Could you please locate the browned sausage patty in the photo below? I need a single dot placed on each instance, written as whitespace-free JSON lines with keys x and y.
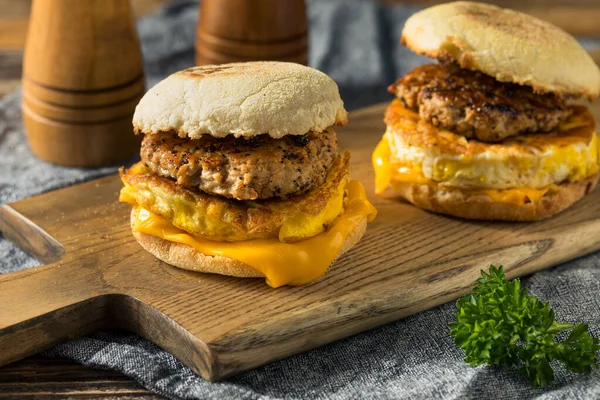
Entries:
{"x":244,"y":169}
{"x":476,"y":105}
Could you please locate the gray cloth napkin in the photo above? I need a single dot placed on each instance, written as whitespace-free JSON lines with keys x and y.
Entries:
{"x":356,"y":42}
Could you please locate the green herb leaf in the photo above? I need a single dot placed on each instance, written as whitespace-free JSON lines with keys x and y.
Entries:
{"x":500,"y":324}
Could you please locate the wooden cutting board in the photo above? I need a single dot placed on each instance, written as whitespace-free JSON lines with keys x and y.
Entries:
{"x":98,"y":277}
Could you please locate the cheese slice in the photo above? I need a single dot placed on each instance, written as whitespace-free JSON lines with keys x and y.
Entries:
{"x":381,"y":164}
{"x":520,"y":196}
{"x":281,"y":263}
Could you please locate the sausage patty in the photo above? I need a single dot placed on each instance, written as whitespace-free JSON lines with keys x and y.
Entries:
{"x":476,"y":105}
{"x":244,"y":169}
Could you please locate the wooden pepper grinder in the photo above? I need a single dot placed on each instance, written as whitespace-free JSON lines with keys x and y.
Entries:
{"x":250,"y":30}
{"x":82,"y":78}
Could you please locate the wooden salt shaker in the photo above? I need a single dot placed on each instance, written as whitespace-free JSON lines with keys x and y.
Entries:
{"x":250,"y":30}
{"x":82,"y":78}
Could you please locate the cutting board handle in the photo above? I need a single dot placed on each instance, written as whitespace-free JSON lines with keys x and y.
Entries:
{"x":42,"y":306}
{"x":71,"y":297}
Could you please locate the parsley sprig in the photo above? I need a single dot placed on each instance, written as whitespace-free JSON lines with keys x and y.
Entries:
{"x":499,"y":323}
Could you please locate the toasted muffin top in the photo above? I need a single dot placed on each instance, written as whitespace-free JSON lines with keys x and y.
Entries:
{"x":243,"y":100}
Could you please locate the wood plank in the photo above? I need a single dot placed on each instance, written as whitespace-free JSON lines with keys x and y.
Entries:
{"x":37,"y":376}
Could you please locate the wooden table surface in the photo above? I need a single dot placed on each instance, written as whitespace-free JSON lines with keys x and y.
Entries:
{"x":38,"y":376}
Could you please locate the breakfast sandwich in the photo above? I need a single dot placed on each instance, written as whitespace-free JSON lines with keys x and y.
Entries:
{"x":490,"y":131}
{"x":240,"y":173}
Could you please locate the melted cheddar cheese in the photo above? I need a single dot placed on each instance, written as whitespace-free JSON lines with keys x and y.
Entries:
{"x":520,"y":196}
{"x":281,"y":263}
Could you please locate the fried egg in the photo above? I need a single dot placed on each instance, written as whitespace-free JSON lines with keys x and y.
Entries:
{"x":420,"y":152}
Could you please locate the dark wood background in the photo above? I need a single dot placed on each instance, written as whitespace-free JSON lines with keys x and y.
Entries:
{"x":38,"y":376}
